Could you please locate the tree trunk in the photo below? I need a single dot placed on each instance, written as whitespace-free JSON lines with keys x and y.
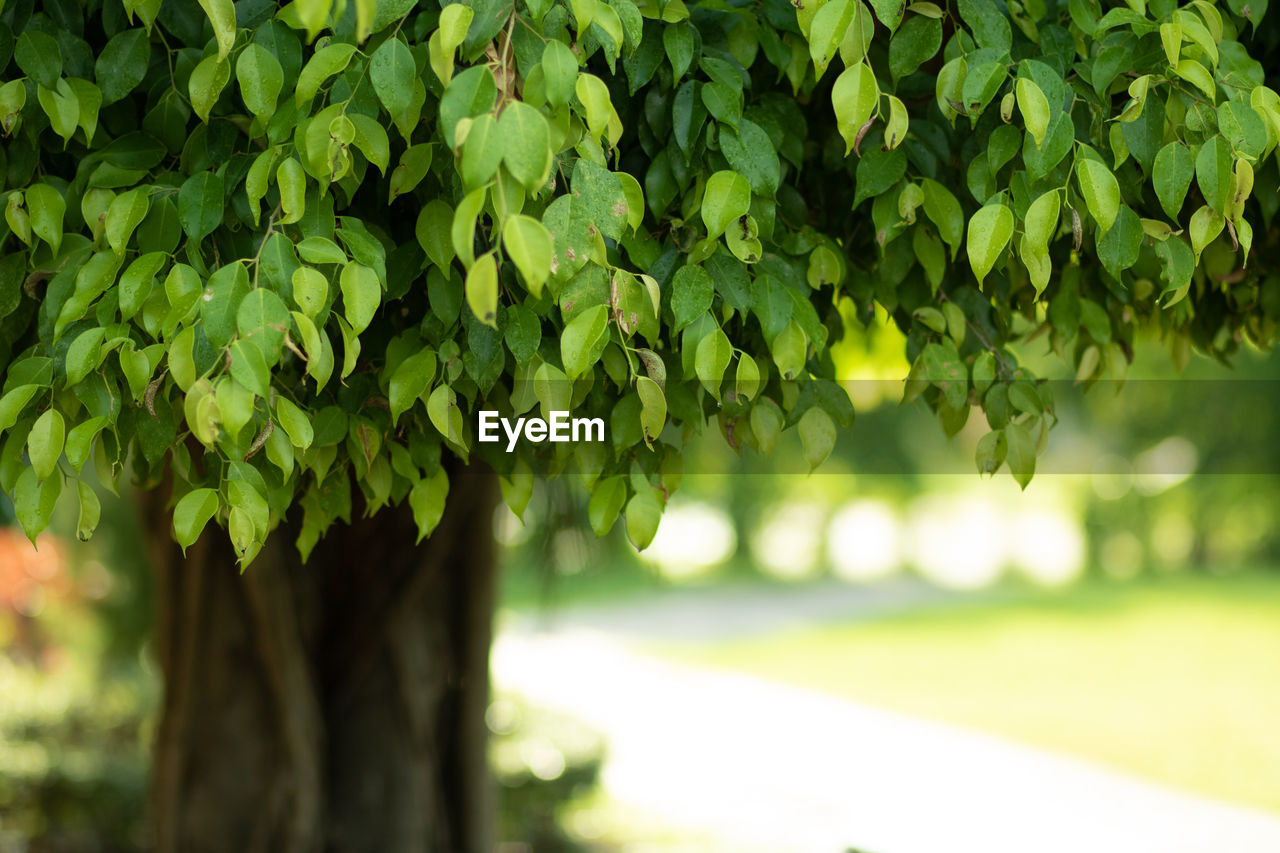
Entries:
{"x":333,"y":706}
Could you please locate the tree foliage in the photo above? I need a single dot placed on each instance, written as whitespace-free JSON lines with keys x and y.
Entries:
{"x":280,"y":253}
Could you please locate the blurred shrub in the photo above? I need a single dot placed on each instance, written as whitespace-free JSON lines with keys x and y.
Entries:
{"x":72,"y":760}
{"x":544,"y":763}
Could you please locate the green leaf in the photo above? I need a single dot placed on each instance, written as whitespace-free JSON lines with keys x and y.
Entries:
{"x":427,"y":499}
{"x":1213,"y":173}
{"x":361,"y":295}
{"x":44,"y":442}
{"x":1206,"y":225}
{"x":766,"y":424}
{"x":39,"y":57}
{"x":889,"y":12}
{"x":653,"y":408}
{"x":310,"y":290}
{"x":1021,"y":453}
{"x":371,"y":139}
{"x":692,"y":292}
{"x":83,"y":356}
{"x":594,"y":95}
{"x":410,"y":381}
{"x":222,"y":14}
{"x":981,"y":85}
{"x":750,"y":153}
{"x":1171,"y":176}
{"x":433,"y":228}
{"x":207,"y":81}
{"x":181,"y":363}
{"x":1034,"y":107}
{"x":12,"y":404}
{"x":261,"y":79}
{"x":321,"y":250}
{"x":746,"y":382}
{"x":643,"y":515}
{"x":34,"y":501}
{"x":324,"y":63}
{"x":527,"y":144}
{"x":414,"y":164}
{"x":455,"y":20}
{"x":137,"y":282}
{"x":249,"y":368}
{"x":90,"y":511}
{"x":1243,"y":128}
{"x":220,"y":303}
{"x":560,"y":71}
{"x":726,"y":198}
{"x":712,"y":360}
{"x":463,"y":229}
{"x":201,"y":203}
{"x":830,"y":23}
{"x":482,"y":290}
{"x":523,"y":333}
{"x":46,"y":209}
{"x":122,"y":64}
{"x":529,"y":245}
{"x":470,"y":93}
{"x":124,"y":215}
{"x":854,"y":97}
{"x":61,"y":107}
{"x":442,"y":409}
{"x":191,"y":514}
{"x":915,"y":43}
{"x":1101,"y":191}
{"x":988,"y":24}
{"x":235,"y":405}
{"x":677,"y":42}
{"x":817,"y":436}
{"x":1118,"y":248}
{"x":942,"y":208}
{"x":392,"y":72}
{"x":582,"y":340}
{"x":482,"y":151}
{"x":598,"y":199}
{"x":292,"y":181}
{"x":1178,"y":263}
{"x":295,"y":422}
{"x":789,"y":349}
{"x":1041,"y":222}
{"x":989,"y":233}
{"x":263,"y":319}
{"x":606,"y":502}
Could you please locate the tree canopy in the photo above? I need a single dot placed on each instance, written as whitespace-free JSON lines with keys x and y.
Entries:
{"x":273,"y":255}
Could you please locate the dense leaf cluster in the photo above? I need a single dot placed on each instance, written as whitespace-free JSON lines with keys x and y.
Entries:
{"x":281,"y":253}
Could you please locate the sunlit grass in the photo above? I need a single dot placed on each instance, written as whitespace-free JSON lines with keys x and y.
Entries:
{"x":1177,"y":680}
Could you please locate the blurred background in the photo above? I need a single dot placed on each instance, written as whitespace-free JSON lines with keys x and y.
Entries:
{"x":805,"y":662}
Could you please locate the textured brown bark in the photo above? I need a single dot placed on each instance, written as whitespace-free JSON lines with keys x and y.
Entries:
{"x":333,"y":706}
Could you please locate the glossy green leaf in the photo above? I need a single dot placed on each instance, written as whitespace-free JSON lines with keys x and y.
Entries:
{"x":529,"y":246}
{"x":261,"y":78}
{"x":190,"y":515}
{"x":989,"y":232}
{"x":482,"y":290}
{"x":726,"y":198}
{"x":1101,"y":191}
{"x":582,"y":339}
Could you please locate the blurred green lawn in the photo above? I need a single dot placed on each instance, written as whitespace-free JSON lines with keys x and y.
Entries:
{"x":1175,"y":679}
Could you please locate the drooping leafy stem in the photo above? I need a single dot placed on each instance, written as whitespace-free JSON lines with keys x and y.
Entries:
{"x":619,"y":208}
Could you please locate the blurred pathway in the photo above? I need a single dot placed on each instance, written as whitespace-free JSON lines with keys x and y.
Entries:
{"x":747,"y":765}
